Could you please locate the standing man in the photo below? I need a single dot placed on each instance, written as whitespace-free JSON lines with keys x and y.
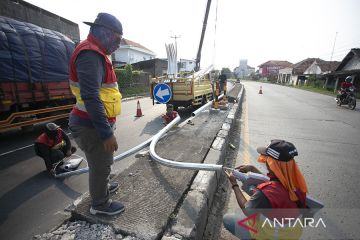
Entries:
{"x":98,"y":102}
{"x":222,"y":81}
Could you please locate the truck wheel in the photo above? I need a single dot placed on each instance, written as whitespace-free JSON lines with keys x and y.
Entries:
{"x":204,"y":100}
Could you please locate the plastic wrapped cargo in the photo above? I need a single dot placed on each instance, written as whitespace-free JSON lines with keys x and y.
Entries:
{"x":29,"y":53}
{"x":34,"y":85}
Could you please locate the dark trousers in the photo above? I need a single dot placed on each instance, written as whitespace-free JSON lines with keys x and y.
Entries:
{"x":50,"y":156}
{"x":230,"y":222}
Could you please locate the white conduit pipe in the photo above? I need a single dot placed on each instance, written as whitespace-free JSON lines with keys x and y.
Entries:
{"x":116,"y":158}
{"x":154,"y":140}
{"x":175,"y":164}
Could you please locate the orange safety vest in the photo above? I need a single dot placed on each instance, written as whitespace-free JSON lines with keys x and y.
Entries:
{"x":282,"y":208}
{"x":109,"y":91}
{"x":44,"y":139}
{"x":279,"y":198}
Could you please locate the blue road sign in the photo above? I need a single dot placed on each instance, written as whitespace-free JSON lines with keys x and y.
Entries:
{"x":162,"y":93}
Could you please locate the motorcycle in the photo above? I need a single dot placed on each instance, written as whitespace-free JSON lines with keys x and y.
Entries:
{"x":348,"y":99}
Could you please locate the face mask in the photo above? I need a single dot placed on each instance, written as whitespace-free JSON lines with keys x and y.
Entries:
{"x":107,"y":38}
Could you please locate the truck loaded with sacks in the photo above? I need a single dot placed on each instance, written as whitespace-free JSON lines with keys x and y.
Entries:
{"x":34,"y":85}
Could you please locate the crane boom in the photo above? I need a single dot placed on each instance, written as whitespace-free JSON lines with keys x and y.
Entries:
{"x":198,"y":56}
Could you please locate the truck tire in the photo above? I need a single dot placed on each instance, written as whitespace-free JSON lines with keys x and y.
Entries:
{"x":204,"y":100}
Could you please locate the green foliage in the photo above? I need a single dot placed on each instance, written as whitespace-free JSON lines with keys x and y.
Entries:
{"x":124,"y":76}
{"x":137,"y":72}
{"x":317,"y":89}
{"x":138,"y":90}
{"x":227,"y":72}
{"x":315,"y":82}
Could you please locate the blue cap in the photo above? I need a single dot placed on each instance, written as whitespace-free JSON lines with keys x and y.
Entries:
{"x":108,"y":21}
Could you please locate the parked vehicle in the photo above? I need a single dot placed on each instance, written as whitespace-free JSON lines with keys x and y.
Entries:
{"x":191,"y":91}
{"x":34,"y":83}
{"x":349,"y":99}
{"x":195,"y":89}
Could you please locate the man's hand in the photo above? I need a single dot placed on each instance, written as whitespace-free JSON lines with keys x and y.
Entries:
{"x":110,"y":144}
{"x":247,"y":168}
{"x":68,"y":153}
{"x":231,"y":177}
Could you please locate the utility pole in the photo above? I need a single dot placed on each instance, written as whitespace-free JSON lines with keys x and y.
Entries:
{"x":332,"y":53}
{"x":333,"y":47}
{"x":176,"y":37}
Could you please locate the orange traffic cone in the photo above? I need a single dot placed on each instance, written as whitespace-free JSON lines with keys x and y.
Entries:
{"x":260,"y":91}
{"x":138,"y":110}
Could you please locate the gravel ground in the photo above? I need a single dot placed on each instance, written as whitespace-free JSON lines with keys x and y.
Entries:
{"x":81,"y":230}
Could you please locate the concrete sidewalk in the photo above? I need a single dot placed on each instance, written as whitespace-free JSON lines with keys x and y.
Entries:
{"x":165,"y":201}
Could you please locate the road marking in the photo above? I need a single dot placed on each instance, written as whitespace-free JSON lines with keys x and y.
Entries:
{"x":17,"y":149}
{"x":21,"y":148}
{"x":244,"y":147}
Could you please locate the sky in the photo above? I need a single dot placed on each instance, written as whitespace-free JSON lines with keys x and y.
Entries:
{"x":256,"y":30}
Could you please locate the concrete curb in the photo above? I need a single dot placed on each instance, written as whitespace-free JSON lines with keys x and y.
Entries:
{"x":200,"y":196}
{"x":133,"y":98}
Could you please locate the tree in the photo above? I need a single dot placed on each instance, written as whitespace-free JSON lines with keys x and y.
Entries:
{"x":227,"y":72}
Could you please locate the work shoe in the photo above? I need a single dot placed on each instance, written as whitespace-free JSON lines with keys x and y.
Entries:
{"x":110,"y":208}
{"x":113,"y":187}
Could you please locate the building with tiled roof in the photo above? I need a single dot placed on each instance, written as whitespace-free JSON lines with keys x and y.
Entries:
{"x":298,"y":73}
{"x":349,"y":66}
{"x":320,"y":66}
{"x":270,"y":69}
{"x":131,"y":52}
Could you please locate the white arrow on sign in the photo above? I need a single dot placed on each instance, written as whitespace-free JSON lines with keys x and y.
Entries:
{"x":161,"y":93}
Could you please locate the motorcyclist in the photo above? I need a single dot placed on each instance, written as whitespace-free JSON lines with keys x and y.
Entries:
{"x":345,"y":87}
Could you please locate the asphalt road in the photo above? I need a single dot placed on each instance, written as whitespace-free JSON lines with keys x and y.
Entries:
{"x":31,"y":201}
{"x":327,"y":138}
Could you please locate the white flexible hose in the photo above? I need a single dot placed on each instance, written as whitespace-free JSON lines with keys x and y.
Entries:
{"x":175,"y":164}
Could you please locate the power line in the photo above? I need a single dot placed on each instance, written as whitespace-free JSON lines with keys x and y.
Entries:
{"x":344,"y":47}
{"x":214,"y":49}
{"x":333,"y":47}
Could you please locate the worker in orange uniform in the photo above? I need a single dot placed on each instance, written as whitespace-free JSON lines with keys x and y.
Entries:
{"x":170,"y":114}
{"x":282,"y":197}
{"x":53,"y":146}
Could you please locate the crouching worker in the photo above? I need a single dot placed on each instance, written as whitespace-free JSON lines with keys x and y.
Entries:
{"x":170,"y":114}
{"x":273,"y":202}
{"x":53,"y":146}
